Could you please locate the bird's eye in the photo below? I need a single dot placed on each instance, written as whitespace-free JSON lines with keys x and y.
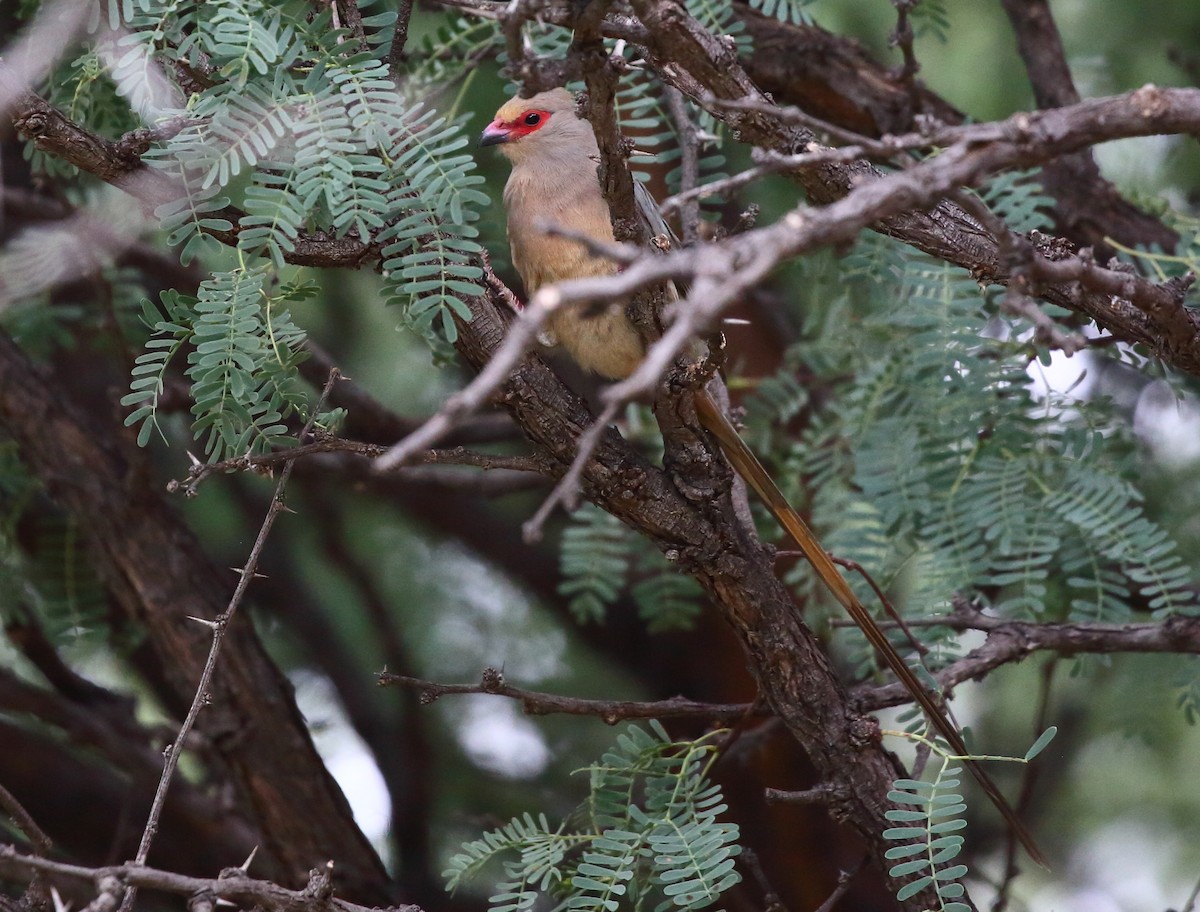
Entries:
{"x":533,"y":119}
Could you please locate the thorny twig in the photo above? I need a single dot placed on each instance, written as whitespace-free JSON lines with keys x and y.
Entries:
{"x":232,"y":886}
{"x":42,"y":844}
{"x":541,"y":704}
{"x":328,"y":443}
{"x":218,"y":626}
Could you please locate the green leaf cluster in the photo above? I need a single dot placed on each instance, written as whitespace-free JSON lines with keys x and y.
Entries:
{"x":647,"y":833}
{"x":930,"y":817}
{"x":792,"y":11}
{"x":272,"y":123}
{"x":600,"y":558}
{"x":244,"y":350}
{"x":939,"y":468}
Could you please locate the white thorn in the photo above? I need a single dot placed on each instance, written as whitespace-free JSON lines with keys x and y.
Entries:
{"x":245,"y":865}
{"x":240,"y":570}
{"x":59,"y":904}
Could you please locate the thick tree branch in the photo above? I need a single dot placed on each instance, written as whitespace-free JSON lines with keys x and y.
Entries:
{"x":703,"y":536}
{"x":155,"y":568}
{"x":1089,"y":208}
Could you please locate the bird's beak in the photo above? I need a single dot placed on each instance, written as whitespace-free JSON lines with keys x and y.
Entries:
{"x":494,"y":134}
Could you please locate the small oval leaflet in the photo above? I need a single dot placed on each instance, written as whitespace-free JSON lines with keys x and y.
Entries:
{"x":1040,"y":744}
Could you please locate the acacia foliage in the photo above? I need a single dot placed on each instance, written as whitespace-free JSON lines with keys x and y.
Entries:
{"x":935,"y":463}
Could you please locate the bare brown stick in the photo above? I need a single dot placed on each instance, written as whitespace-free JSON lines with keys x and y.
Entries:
{"x":845,"y":878}
{"x":902,"y":37}
{"x":42,"y":844}
{"x":566,"y":491}
{"x":821,"y":794}
{"x":218,"y":626}
{"x":326,"y":443}
{"x":543,"y":704}
{"x":396,"y":54}
{"x":770,"y":898}
{"x":1029,"y":772}
{"x":1010,"y":641}
{"x":238,"y":890}
{"x":689,"y":147}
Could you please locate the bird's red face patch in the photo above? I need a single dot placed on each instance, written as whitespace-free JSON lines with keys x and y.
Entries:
{"x":502,"y":131}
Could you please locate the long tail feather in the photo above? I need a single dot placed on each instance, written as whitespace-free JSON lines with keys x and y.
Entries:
{"x":747,"y":465}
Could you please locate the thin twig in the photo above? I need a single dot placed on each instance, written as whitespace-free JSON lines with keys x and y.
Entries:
{"x":689,"y":163}
{"x":238,"y":890}
{"x":218,"y":626}
{"x":566,"y":491}
{"x":1010,"y":641}
{"x":42,"y":844}
{"x":902,"y":37}
{"x":845,"y":878}
{"x":396,"y":55}
{"x":1028,"y":782}
{"x":818,"y":794}
{"x":328,"y":443}
{"x":888,"y":607}
{"x":541,"y":704}
{"x":771,"y":900}
{"x":1190,"y":905}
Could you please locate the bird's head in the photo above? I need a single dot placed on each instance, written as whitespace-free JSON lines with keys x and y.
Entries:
{"x":545,"y":124}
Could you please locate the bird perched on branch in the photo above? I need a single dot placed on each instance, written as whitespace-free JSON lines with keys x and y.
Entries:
{"x":554,"y":181}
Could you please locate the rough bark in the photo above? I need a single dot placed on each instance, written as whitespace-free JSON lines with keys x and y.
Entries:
{"x":154,"y":567}
{"x":700,"y":532}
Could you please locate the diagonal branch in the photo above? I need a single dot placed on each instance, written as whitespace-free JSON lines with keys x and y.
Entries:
{"x":702,"y":534}
{"x":219,"y":627}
